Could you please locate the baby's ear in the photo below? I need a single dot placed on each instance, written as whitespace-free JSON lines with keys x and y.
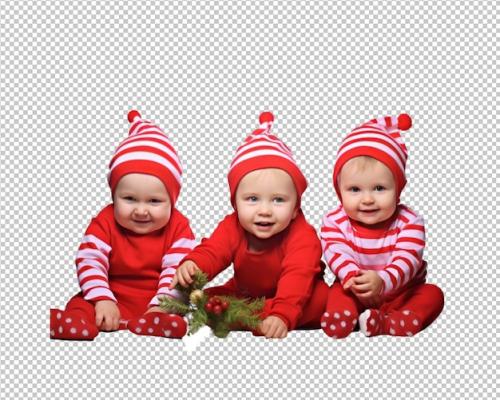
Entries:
{"x":295,"y":212}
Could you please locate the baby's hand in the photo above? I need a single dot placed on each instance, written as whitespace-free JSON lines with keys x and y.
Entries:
{"x":155,"y":309}
{"x":273,"y":328}
{"x":184,"y":274}
{"x":368,"y":287}
{"x":107,"y":315}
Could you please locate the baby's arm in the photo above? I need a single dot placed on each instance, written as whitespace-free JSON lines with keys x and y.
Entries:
{"x":212,"y":255}
{"x":406,"y":261}
{"x":183,"y":243}
{"x":338,"y":250}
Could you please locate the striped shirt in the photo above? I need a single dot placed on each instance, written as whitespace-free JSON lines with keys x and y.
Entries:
{"x":395,"y":251}
{"x":114,"y":263}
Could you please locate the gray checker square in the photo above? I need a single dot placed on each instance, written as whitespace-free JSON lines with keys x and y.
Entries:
{"x":204,"y":70}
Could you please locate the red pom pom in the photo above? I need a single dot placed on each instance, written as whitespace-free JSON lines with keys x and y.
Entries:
{"x":132,"y":115}
{"x":404,"y":122}
{"x":266,"y":116}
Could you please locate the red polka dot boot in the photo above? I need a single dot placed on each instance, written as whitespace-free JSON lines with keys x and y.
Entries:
{"x":338,"y":324}
{"x":158,"y":324}
{"x":397,"y":323}
{"x":70,"y":325}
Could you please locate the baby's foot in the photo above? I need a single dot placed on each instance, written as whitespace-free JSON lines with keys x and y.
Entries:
{"x":338,"y":324}
{"x":158,"y":324}
{"x":397,"y":323}
{"x":70,"y":325}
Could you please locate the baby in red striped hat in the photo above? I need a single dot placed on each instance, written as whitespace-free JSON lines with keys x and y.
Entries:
{"x":275,"y":252}
{"x":132,"y":248}
{"x":373,"y":244}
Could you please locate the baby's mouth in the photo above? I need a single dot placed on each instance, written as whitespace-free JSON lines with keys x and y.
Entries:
{"x":264,"y":224}
{"x":369,"y":211}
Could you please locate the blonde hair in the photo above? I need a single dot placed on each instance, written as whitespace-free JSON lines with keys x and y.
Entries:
{"x":360,"y":164}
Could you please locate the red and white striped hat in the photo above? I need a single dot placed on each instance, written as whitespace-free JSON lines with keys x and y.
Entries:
{"x":147,"y":150}
{"x":381,"y":139}
{"x":262,"y":150}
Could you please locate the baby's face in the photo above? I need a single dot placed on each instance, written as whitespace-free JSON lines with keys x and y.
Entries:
{"x":141,"y":203}
{"x":266,"y":202}
{"x":369,"y":193}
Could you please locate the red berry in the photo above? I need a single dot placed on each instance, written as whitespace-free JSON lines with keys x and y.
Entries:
{"x":217,"y":301}
{"x":225,"y":305}
{"x":217,"y":309}
{"x":209,"y":307}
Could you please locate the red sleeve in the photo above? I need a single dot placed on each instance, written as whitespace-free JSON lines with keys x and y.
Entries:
{"x":301,"y":266}
{"x":216,"y":253}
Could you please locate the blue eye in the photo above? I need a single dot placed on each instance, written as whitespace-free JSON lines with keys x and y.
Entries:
{"x":279,"y":200}
{"x":252,"y":198}
{"x":354,"y":189}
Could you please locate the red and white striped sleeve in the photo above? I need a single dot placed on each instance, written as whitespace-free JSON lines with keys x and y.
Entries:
{"x":337,"y":248}
{"x":183,"y":243}
{"x":406,"y":261}
{"x":92,"y":262}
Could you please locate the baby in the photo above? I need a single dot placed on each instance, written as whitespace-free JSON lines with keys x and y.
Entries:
{"x":131,"y":250}
{"x":373,"y":244}
{"x":275,"y":252}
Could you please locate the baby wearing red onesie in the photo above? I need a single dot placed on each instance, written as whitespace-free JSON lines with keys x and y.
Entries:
{"x":275,"y":252}
{"x":131,"y":250}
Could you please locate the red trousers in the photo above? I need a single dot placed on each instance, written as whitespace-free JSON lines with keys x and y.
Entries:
{"x":313,"y":310}
{"x":425,"y":300}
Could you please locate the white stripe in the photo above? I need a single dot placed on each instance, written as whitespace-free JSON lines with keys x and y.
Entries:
{"x":387,"y":280}
{"x":145,"y":123}
{"x":172,"y":259}
{"x":91,"y":272}
{"x":166,"y":279}
{"x":345,"y":270}
{"x":184,"y":242}
{"x":99,"y":292}
{"x":406,"y":270}
{"x":374,"y":145}
{"x":93,"y":254}
{"x":262,"y":143}
{"x":370,"y":135}
{"x":94,"y":283}
{"x":92,"y":263}
{"x":394,"y":272}
{"x":103,"y":246}
{"x":148,"y":143}
{"x":145,"y":156}
{"x":169,"y":270}
{"x":259,"y":154}
{"x":145,"y":136}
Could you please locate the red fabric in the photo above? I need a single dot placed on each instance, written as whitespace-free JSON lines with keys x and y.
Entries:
{"x":424,"y":300}
{"x":284,"y":273}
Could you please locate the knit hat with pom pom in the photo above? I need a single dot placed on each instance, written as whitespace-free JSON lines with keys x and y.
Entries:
{"x":380,"y":139}
{"x":262,"y":150}
{"x":147,"y":150}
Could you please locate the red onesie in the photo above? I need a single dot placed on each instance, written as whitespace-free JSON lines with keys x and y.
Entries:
{"x":288,"y":273}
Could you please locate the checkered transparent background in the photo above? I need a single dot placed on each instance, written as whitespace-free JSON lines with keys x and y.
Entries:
{"x":203,"y":70}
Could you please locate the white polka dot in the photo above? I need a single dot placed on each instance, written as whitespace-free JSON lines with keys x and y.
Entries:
{"x":336,"y":315}
{"x":334,"y":337}
{"x":85,"y":332}
{"x":156,"y":321}
{"x":138,"y":330}
{"x":406,"y":312}
{"x":73,"y":330}
{"x":60,"y":329}
{"x":409,"y":334}
{"x":68,"y":320}
{"x":150,"y":330}
{"x":393,"y":322}
{"x":326,"y":314}
{"x":415,"y":322}
{"x":142,"y":321}
{"x":332,"y":327}
{"x":52,"y":333}
{"x":402,"y":323}
{"x":83,"y":322}
{"x":175,"y":324}
{"x":372,"y":322}
{"x":59,"y":316}
{"x":354,"y":321}
{"x":167,"y":333}
{"x":323,"y":324}
{"x":392,"y":331}
{"x":343,"y":324}
{"x":347,"y":313}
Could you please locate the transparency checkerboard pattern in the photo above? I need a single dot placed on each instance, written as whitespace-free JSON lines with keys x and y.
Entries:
{"x":70,"y":71}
